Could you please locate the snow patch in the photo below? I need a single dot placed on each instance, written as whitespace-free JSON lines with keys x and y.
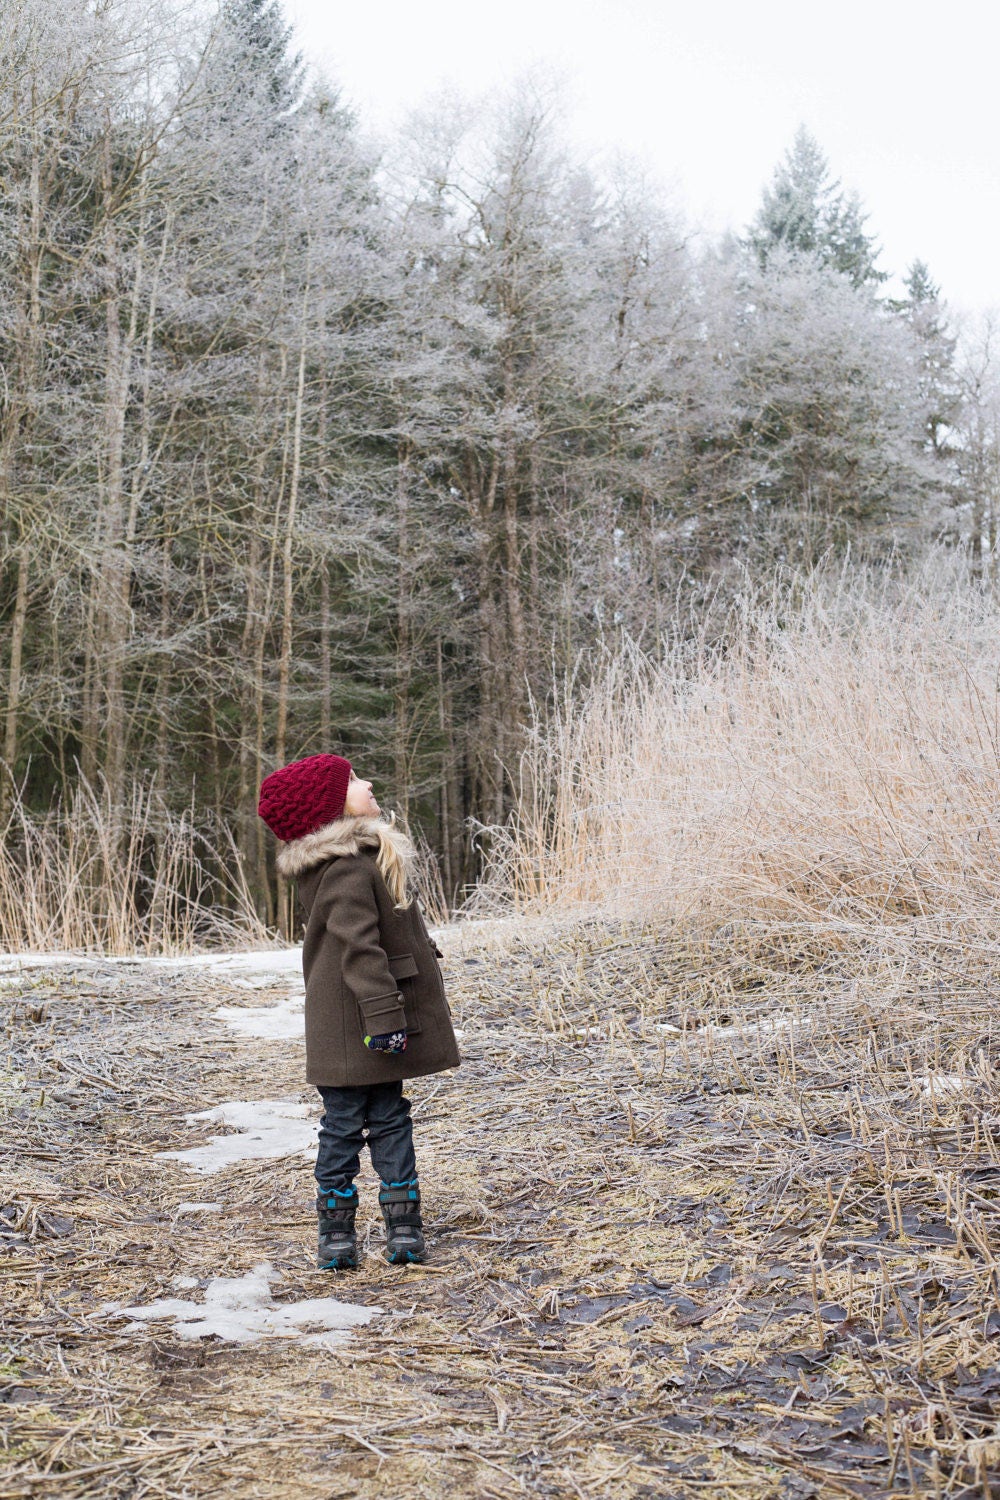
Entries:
{"x":941,"y":1083}
{"x":254,"y":971}
{"x":251,"y":969}
{"x":198,"y":1208}
{"x":763,"y":1025}
{"x":241,"y":1310}
{"x":263,"y":964}
{"x":258,"y":967}
{"x":279,"y":1022}
{"x":264,"y":1128}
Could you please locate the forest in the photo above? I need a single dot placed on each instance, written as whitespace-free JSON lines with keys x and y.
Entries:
{"x":310,"y":446}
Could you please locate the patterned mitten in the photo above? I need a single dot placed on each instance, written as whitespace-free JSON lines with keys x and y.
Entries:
{"x":390,"y":1041}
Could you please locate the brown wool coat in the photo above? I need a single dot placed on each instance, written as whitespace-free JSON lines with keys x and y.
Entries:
{"x":369,"y":969}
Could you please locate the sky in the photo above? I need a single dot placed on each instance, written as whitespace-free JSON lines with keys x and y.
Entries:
{"x":707,"y":95}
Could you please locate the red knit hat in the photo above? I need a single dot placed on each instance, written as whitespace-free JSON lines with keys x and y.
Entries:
{"x":300,"y":798}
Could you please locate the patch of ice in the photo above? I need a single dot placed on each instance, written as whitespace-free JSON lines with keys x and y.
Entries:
{"x":253,"y":971}
{"x":280,"y":1022}
{"x":257,"y":966}
{"x":251,"y":968}
{"x":941,"y":1083}
{"x":763,"y":1025}
{"x":265,"y":1128}
{"x":198,"y":1208}
{"x":666,"y":1026}
{"x":266,"y":965}
{"x":241,"y":1310}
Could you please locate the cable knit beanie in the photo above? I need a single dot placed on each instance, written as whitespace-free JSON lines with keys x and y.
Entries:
{"x":302,"y":797}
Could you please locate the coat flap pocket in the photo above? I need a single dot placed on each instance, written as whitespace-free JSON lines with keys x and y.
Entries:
{"x":403,"y":966}
{"x":382,"y":1014}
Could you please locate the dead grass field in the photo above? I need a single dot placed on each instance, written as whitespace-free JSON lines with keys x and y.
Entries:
{"x":833,"y":758}
{"x":748,"y":1255}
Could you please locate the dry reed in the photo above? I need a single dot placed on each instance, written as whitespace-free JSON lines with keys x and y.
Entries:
{"x":93,"y":877}
{"x":833,"y":759}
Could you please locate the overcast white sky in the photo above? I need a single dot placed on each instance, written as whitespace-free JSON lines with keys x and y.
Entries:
{"x":708,"y":94}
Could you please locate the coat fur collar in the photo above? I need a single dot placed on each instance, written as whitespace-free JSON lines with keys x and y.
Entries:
{"x":342,"y":836}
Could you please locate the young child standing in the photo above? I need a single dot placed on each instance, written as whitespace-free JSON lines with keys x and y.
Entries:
{"x":376,"y":1011}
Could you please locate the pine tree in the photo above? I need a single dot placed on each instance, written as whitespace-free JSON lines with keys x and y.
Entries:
{"x":256,"y":66}
{"x":923,"y":310}
{"x":805,"y":212}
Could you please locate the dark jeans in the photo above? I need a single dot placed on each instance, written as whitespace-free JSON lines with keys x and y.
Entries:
{"x":382,"y":1111}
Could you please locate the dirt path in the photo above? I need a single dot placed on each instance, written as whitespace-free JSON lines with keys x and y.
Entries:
{"x":701,"y":1223}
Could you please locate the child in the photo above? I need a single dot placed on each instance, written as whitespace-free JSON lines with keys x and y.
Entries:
{"x":376,"y":1011}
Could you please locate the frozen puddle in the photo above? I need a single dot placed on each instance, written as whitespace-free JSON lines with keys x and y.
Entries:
{"x":241,"y":1310}
{"x":264,"y":1128}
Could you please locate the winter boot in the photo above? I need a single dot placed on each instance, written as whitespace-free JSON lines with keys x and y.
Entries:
{"x":338,"y":1245}
{"x":400,"y":1205}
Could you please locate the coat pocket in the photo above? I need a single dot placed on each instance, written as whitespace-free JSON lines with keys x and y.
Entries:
{"x":403,"y":966}
{"x":382,"y":1015}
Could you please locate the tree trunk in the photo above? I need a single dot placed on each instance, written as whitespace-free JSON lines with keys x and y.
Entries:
{"x":163,"y":674}
{"x":444,"y":811}
{"x":488,"y":790}
{"x":287,"y":551}
{"x":264,"y":887}
{"x":113,"y":565}
{"x":22,"y":406}
{"x":325,"y":660}
{"x":325,"y":656}
{"x":515,"y":652}
{"x":14,"y":683}
{"x":403,"y":664}
{"x":251,"y":688}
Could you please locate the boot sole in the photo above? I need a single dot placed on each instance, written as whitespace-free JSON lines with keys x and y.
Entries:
{"x":339,"y":1263}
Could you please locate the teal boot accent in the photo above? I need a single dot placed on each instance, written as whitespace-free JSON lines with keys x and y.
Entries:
{"x":400,"y":1205}
{"x":338,"y":1244}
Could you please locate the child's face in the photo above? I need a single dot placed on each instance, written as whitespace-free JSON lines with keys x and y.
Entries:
{"x":360,"y":799}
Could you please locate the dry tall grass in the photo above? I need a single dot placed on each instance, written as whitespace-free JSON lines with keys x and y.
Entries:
{"x":142,"y":878}
{"x":833,"y":760}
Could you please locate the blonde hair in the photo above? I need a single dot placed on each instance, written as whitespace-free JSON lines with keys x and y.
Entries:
{"x":395,"y":860}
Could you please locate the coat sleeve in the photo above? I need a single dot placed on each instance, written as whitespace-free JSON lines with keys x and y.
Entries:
{"x":352,"y":918}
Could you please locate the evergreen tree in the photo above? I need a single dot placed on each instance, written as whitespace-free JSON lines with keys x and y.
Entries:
{"x":924,"y":312}
{"x":255,"y":65}
{"x":805,"y":212}
{"x":827,"y":385}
